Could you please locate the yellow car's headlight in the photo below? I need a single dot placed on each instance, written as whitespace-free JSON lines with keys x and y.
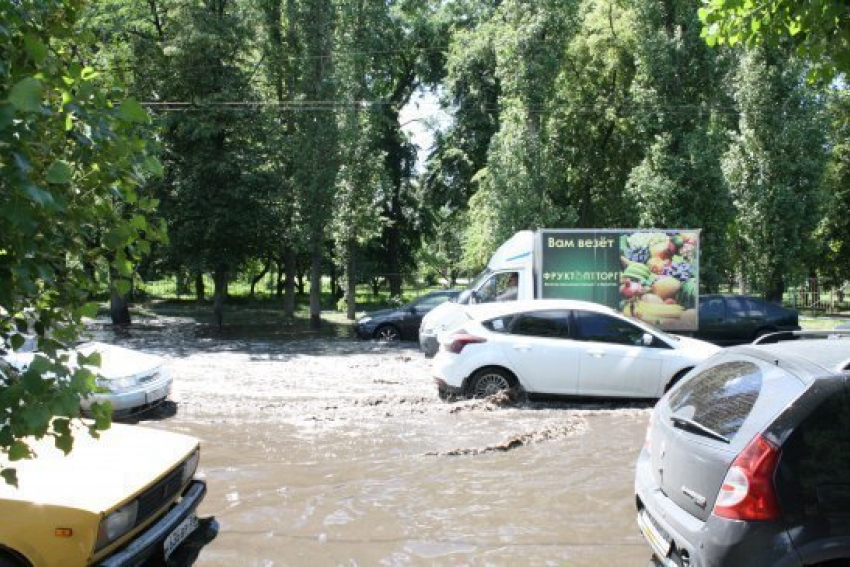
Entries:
{"x":117,"y":523}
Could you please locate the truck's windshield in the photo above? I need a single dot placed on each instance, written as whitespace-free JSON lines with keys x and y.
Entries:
{"x":466,"y":294}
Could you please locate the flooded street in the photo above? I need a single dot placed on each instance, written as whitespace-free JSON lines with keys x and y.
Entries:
{"x":333,"y":451}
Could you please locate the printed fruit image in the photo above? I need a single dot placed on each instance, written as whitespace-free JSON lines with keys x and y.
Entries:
{"x":652,"y":298}
{"x":666,"y":287}
{"x":660,"y":250}
{"x":689,"y":316}
{"x":636,"y":271}
{"x":631,"y":288}
{"x":657,"y":265}
{"x":657,"y":312}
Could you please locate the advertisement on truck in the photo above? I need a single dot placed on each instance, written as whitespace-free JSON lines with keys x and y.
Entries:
{"x":651,"y":275}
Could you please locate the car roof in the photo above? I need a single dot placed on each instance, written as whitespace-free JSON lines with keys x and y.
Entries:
{"x":499,"y":309}
{"x":830,"y":355}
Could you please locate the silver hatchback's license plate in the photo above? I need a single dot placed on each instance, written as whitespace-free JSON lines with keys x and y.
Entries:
{"x":658,"y":540}
{"x":180,"y":533}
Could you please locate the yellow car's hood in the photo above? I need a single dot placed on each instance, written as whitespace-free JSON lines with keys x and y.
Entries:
{"x":97,"y":474}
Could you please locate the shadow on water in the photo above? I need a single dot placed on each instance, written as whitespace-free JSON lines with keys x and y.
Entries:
{"x":164,"y":410}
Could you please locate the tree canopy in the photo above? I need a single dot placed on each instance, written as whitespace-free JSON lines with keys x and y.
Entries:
{"x":74,"y":153}
{"x":819,"y":31}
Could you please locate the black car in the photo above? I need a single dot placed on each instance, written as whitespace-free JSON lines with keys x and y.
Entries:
{"x":737,"y":319}
{"x":747,"y":459}
{"x":402,"y":322}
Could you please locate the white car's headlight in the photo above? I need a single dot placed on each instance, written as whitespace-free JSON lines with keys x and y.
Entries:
{"x":364,"y":320}
{"x":117,"y":384}
{"x":117,"y":523}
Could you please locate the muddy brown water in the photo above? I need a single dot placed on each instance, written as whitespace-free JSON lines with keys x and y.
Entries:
{"x":319,"y":449}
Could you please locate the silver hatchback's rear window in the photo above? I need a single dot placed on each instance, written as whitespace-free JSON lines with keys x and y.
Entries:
{"x":721,"y":397}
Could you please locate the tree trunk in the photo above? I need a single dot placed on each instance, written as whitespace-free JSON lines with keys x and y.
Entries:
{"x":220,"y":294}
{"x":290,"y":267}
{"x":199,"y":286}
{"x":350,"y":281}
{"x":260,"y":276}
{"x":316,"y":281}
{"x":775,"y":289}
{"x":119,"y":308}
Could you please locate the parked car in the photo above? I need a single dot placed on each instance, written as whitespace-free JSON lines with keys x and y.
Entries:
{"x":129,"y":495}
{"x":747,"y":459}
{"x":403,"y":322}
{"x":132,"y":381}
{"x":560,"y":347}
{"x":737,"y":319}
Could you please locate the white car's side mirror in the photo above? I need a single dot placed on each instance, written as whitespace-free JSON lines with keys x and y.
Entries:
{"x":647,"y":339}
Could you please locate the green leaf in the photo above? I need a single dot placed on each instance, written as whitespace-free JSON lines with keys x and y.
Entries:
{"x":36,"y":50}
{"x":59,"y":173}
{"x":26,"y":95}
{"x":17,"y":341}
{"x":122,"y":286}
{"x":88,"y":310}
{"x":19,"y":450}
{"x":10,"y":476}
{"x":139,"y":222}
{"x":64,"y":442}
{"x":794,"y":28}
{"x":132,"y":111}
{"x":38,"y":194}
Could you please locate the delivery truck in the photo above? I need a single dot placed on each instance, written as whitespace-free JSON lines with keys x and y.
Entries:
{"x":648,"y":274}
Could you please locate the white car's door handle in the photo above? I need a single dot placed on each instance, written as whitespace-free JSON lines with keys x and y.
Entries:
{"x":524,"y":347}
{"x":596,"y":353}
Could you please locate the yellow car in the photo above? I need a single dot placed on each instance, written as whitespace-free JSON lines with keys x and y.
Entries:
{"x":116,"y":500}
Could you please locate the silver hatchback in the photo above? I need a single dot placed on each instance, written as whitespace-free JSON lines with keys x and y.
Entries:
{"x":747,"y":460}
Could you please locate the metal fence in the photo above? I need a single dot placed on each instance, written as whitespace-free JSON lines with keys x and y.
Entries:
{"x":834,"y":300}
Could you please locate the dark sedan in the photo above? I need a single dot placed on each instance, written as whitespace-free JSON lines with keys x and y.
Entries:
{"x":736,"y":319}
{"x":402,"y":322}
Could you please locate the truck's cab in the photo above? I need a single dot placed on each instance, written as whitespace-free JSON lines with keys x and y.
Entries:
{"x":508,"y":276}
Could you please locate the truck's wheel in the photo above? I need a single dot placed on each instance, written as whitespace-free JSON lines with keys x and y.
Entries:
{"x":490,"y":381}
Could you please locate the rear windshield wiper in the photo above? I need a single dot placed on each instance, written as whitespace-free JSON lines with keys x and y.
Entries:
{"x":692,"y":425}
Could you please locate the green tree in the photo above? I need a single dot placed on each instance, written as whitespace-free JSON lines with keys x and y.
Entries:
{"x":316,"y":138}
{"x":773,"y":168}
{"x":360,"y":180}
{"x":835,"y":225}
{"x":73,"y":151}
{"x":681,"y":112}
{"x":213,"y":198}
{"x":818,"y":30}
{"x":521,"y":187}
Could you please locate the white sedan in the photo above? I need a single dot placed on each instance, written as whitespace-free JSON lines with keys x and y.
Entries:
{"x":560,"y":347}
{"x":132,"y":381}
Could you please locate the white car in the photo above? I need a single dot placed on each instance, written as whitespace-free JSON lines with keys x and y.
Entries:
{"x":560,"y":347}
{"x":132,"y":381}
